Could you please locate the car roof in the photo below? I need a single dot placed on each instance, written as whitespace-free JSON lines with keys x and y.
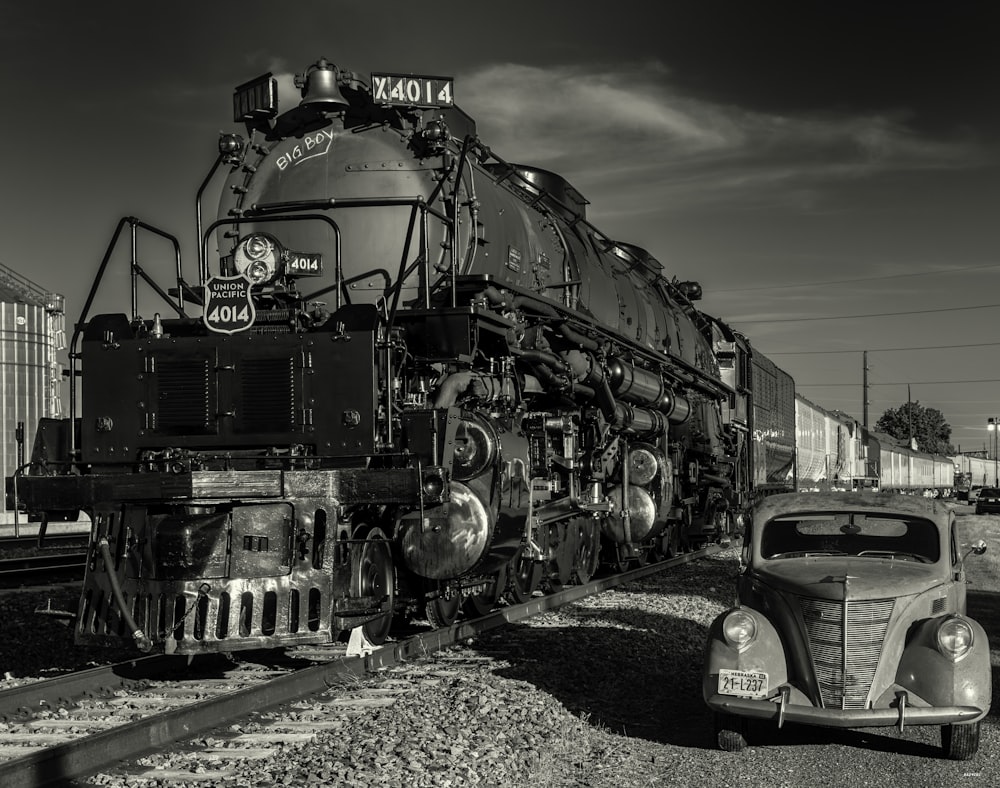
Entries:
{"x":788,"y":503}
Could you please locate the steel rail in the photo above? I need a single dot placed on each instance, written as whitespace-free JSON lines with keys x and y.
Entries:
{"x":92,"y":753}
{"x":25,"y":700}
{"x":13,"y":570}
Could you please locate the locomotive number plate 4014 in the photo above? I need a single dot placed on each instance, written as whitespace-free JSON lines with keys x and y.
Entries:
{"x":413,"y":91}
{"x":302,"y":264}
{"x":745,"y":683}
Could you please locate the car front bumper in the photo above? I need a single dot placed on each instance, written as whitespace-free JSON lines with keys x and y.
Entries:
{"x":902,"y":713}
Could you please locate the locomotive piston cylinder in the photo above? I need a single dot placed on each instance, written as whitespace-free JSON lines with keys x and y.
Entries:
{"x":640,"y":421}
{"x":641,"y":387}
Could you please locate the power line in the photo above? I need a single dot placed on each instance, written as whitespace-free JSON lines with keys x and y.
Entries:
{"x":903,"y":383}
{"x":854,"y":281}
{"x":876,"y":350}
{"x":878,"y":314}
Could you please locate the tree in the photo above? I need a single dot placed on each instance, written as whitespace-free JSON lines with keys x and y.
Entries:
{"x":927,"y":425}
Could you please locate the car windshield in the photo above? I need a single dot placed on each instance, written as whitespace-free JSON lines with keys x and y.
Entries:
{"x":853,"y":534}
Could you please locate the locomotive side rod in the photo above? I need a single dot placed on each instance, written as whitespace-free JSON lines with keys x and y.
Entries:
{"x":90,"y":754}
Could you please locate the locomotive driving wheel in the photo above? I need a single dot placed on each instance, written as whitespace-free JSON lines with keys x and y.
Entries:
{"x":563,"y":541}
{"x":477,"y":605}
{"x":375,"y":578}
{"x":588,"y":550}
{"x":673,"y":540}
{"x":441,"y":611}
{"x":524,"y":577}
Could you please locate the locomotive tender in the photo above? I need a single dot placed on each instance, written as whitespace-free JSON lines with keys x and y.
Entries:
{"x":415,"y":379}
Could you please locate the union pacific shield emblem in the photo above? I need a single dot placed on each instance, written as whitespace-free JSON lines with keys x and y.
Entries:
{"x":228,"y":306}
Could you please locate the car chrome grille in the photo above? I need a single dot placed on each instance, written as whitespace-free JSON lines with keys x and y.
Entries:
{"x":845,"y":641}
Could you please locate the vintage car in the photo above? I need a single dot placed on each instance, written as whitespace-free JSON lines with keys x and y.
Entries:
{"x":850,"y":614}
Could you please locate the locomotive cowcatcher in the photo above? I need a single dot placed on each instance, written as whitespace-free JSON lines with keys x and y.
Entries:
{"x":412,"y":378}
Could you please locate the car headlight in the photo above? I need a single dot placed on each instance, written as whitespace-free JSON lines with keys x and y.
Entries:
{"x":954,"y":638}
{"x":739,"y":629}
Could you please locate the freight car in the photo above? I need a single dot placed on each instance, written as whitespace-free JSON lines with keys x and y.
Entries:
{"x":824,"y":443}
{"x":903,"y":469}
{"x":411,"y":378}
{"x":973,"y":471}
{"x":834,"y":452}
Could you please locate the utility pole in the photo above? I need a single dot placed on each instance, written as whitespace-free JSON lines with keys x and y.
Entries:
{"x":864,"y":392}
{"x":993,"y":425}
{"x":909,"y":415}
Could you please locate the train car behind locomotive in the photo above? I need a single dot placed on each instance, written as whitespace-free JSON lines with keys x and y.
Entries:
{"x":415,"y":377}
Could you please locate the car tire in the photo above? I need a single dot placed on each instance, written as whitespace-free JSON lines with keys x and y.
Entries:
{"x":731,"y":732}
{"x":960,"y":742}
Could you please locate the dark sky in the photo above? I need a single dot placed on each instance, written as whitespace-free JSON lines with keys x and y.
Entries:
{"x":936,"y":62}
{"x":830,"y":171}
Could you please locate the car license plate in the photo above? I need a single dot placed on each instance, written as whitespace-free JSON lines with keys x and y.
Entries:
{"x":745,"y":683}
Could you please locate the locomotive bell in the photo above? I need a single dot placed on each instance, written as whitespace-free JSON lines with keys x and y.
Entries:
{"x":320,"y":89}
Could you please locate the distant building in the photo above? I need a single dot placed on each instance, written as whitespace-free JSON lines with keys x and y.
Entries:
{"x":32,"y":332}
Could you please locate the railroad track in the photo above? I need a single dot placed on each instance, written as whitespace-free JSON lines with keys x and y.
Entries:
{"x":65,"y":728}
{"x":71,"y":539}
{"x":42,"y":568}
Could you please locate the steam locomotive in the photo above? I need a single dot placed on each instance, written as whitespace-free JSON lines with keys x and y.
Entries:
{"x":413,"y":380}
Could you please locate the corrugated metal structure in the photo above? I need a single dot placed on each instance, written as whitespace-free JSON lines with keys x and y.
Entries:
{"x":32,"y":332}
{"x":773,"y":427}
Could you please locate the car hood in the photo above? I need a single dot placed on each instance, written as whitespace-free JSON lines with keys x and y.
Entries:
{"x":837,"y":577}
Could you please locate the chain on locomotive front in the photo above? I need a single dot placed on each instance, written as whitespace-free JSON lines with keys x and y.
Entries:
{"x":419,"y":379}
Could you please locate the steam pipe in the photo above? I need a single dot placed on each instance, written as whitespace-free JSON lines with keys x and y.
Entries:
{"x":493,"y":295}
{"x":456,"y":383}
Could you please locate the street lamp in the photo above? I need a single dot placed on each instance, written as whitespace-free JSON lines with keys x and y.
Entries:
{"x":993,"y":425}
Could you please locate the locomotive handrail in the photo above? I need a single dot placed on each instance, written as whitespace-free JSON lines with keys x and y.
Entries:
{"x":272,"y":211}
{"x":398,"y":287}
{"x":222,"y":157}
{"x":135,"y":271}
{"x":249,"y":216}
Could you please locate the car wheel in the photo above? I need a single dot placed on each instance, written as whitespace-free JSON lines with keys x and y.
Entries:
{"x":730,"y":732}
{"x":960,"y":742}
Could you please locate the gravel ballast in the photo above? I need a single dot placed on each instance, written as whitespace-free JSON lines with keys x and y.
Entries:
{"x":603,"y":693}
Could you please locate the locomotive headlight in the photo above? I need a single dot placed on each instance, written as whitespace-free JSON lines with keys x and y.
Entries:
{"x":739,"y":629}
{"x":954,"y":638}
{"x":259,"y":271}
{"x":257,"y":257}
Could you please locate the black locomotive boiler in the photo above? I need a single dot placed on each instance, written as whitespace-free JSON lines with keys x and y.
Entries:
{"x":413,"y":379}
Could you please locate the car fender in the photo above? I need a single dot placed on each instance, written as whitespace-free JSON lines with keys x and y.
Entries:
{"x":938,"y":679}
{"x":765,"y":653}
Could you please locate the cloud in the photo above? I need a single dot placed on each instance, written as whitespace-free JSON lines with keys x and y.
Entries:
{"x":632,"y":131}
